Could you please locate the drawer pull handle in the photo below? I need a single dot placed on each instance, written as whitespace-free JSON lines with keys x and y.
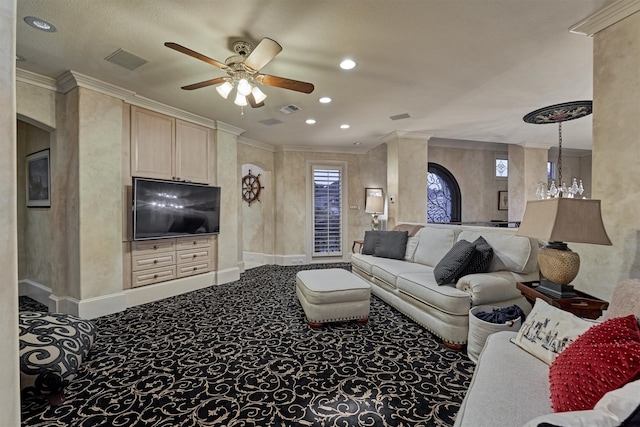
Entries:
{"x":194,"y":255}
{"x":155,"y":246}
{"x":195,"y":268}
{"x":155,"y":276}
{"x":155,"y":261}
{"x":195,"y":243}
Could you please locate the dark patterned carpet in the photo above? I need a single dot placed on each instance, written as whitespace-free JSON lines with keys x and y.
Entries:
{"x":241,"y":354}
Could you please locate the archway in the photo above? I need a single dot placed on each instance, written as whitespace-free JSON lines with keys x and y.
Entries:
{"x":443,"y":195}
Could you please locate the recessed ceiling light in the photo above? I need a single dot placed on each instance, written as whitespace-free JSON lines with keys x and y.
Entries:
{"x":310,"y":122}
{"x":345,"y":126}
{"x":347,"y":64}
{"x":357,"y":143}
{"x":325,"y":100}
{"x":40,"y":24}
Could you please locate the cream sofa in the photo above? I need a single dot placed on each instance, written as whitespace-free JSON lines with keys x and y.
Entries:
{"x":510,"y":387}
{"x":409,"y":284}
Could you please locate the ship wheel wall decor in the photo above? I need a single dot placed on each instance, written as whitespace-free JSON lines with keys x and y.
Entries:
{"x":251,"y":188}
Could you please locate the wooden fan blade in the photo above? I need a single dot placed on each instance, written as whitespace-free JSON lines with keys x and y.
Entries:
{"x":204,"y":83}
{"x":194,"y":54}
{"x":252,"y":101}
{"x":266,"y":50}
{"x":284,"y":83}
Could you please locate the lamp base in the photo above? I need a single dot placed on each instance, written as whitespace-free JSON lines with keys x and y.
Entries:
{"x":556,"y":290}
{"x":375,"y":222}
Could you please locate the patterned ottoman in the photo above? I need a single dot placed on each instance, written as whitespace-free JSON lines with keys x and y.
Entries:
{"x":52,"y":348}
{"x":332,"y":295}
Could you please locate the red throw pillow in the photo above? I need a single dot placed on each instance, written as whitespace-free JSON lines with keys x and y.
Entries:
{"x":604,"y":358}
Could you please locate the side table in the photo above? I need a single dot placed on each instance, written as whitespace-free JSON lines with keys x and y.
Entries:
{"x":358,"y":242}
{"x":582,"y":305}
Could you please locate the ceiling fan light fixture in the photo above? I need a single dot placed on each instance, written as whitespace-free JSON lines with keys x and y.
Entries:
{"x":244,"y":88}
{"x":224,"y":89}
{"x":258,"y":95}
{"x":241,"y":100}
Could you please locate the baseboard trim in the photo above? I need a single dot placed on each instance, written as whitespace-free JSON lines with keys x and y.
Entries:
{"x":89,"y":308}
{"x":228,"y":275}
{"x":158,"y":291}
{"x":259,"y":258}
{"x":34,"y":290}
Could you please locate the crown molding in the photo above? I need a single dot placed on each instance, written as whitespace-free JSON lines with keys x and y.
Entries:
{"x":605,"y":17}
{"x":257,"y":144}
{"x":332,"y":150}
{"x":228,"y":128}
{"x":465,"y":144}
{"x":546,"y":145}
{"x":401,"y":134}
{"x":34,"y":79}
{"x":71,"y":79}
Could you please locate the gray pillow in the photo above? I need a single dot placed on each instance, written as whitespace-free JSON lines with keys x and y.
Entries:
{"x":370,"y":240}
{"x":392,"y":244}
{"x":453,"y":263}
{"x":481,"y":259}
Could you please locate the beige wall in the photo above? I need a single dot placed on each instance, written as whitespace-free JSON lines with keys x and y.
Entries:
{"x":9,"y":368}
{"x":616,"y":156}
{"x":474,"y":169}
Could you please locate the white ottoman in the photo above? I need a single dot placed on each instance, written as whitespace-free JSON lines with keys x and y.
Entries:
{"x":332,"y":295}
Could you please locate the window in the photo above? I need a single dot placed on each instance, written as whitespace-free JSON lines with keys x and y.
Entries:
{"x":443,"y":195}
{"x":502,"y":168}
{"x":551,"y":170}
{"x":327,"y":211}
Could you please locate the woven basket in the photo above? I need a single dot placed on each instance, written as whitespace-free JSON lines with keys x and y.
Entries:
{"x":479,"y":330}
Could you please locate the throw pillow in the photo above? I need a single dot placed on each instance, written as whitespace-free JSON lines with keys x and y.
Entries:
{"x":619,"y":407}
{"x":370,"y":241}
{"x":481,"y":259}
{"x":453,"y":263}
{"x":549,"y":330}
{"x":392,"y":244}
{"x":604,"y":358}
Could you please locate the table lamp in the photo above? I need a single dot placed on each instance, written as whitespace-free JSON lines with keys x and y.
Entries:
{"x":557,"y":221}
{"x":374,"y":205}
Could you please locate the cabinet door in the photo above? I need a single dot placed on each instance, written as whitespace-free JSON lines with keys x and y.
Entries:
{"x":192,"y":152}
{"x":152,"y":144}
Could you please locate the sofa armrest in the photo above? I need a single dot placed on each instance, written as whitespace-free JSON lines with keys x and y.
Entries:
{"x":488,"y":288}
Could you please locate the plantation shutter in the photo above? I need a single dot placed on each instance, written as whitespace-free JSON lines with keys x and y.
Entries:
{"x":327,"y":211}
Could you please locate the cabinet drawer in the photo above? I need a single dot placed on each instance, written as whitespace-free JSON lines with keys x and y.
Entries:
{"x":192,"y":242}
{"x":152,"y":246}
{"x":193,"y":268}
{"x":155,"y":275}
{"x":193,"y":255}
{"x":161,"y":259}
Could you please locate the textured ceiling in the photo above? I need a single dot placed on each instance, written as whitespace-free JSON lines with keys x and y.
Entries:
{"x":462,"y":69}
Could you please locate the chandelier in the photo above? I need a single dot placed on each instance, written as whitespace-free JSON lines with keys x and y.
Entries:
{"x":559,"y":113}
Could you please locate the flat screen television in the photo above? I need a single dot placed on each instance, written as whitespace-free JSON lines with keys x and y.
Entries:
{"x":164,"y":209}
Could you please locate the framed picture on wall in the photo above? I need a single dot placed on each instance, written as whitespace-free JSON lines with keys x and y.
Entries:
{"x":503,"y":200}
{"x":38,"y":179}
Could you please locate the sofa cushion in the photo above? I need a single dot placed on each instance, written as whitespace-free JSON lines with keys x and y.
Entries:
{"x":481,"y":259}
{"x":509,"y":386}
{"x":423,"y":287}
{"x":412,"y":245}
{"x":548,"y":331}
{"x":619,"y":407}
{"x":388,"y":270}
{"x":454,"y":262}
{"x":510,"y":252}
{"x":604,"y":358}
{"x":434,"y":243}
{"x":391,"y":244}
{"x":371,"y":238}
{"x":363,"y":262}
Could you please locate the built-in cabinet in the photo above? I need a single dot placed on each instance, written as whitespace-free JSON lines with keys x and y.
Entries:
{"x":154,"y":261}
{"x":164,"y":147}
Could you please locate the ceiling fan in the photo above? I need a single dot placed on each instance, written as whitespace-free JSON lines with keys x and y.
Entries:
{"x":243,"y":71}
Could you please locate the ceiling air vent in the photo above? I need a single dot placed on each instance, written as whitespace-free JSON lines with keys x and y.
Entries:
{"x":400,"y":116}
{"x":126,"y":59}
{"x":288,"y":109}
{"x":270,"y":122}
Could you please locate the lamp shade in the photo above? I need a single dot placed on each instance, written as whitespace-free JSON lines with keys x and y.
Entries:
{"x":374,"y":204}
{"x":564,"y":220}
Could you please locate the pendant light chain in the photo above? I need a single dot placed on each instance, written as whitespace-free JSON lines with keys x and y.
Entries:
{"x":560,"y":154}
